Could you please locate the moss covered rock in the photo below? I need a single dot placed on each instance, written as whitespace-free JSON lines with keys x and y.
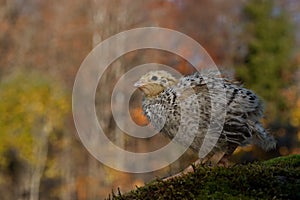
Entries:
{"x":278,"y":178}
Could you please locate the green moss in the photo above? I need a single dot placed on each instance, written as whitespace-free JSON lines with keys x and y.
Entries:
{"x":278,"y":178}
{"x":292,"y":161}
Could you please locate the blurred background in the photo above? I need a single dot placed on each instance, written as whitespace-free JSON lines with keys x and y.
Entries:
{"x":43,"y":43}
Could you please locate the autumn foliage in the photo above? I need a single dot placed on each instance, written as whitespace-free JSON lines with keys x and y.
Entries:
{"x":43,"y":43}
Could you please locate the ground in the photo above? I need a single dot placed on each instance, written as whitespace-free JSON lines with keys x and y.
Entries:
{"x":278,"y":178}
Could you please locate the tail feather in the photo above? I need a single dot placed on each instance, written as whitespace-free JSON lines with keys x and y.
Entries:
{"x":262,"y":138}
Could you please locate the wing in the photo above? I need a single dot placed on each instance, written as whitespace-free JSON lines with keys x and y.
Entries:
{"x":238,"y":99}
{"x":242,"y":100}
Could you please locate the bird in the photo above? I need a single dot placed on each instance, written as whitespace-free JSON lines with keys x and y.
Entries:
{"x":164,"y":95}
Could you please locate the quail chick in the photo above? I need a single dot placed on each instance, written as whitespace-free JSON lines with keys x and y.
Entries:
{"x":164,"y":96}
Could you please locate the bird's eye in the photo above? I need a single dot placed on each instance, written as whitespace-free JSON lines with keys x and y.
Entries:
{"x":154,"y":78}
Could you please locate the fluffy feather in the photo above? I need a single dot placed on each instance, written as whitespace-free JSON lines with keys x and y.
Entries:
{"x":167,"y":100}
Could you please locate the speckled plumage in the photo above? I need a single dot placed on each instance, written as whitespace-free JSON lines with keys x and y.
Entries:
{"x":171,"y":104}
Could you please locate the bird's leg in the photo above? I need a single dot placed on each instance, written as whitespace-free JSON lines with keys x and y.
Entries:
{"x":216,"y":158}
{"x":224,"y":161}
{"x":187,"y":170}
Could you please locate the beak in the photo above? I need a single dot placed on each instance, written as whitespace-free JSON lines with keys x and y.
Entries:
{"x":138,"y":84}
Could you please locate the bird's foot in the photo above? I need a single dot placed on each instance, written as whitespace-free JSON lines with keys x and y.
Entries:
{"x":187,"y":170}
{"x":218,"y":159}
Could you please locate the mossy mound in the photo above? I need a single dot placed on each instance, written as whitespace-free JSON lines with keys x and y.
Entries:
{"x":278,"y":178}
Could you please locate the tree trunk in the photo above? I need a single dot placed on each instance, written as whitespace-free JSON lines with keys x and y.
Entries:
{"x":41,"y":151}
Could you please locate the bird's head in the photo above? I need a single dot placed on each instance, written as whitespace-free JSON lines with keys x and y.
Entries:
{"x":154,"y":82}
